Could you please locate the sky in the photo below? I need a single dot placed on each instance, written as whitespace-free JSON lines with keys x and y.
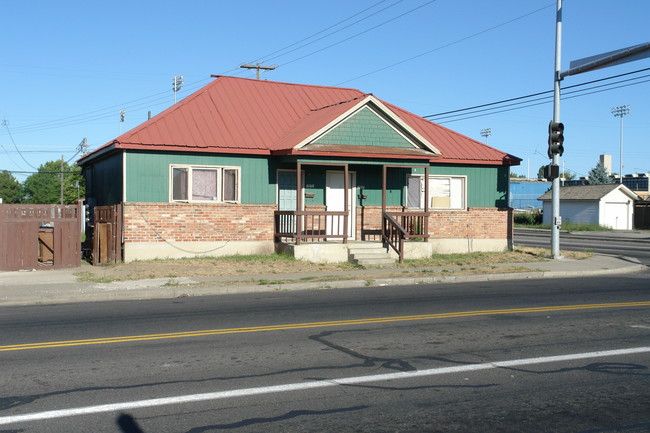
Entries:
{"x":69,"y":67}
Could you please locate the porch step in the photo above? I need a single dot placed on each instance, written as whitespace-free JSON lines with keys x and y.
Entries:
{"x":370,"y":254}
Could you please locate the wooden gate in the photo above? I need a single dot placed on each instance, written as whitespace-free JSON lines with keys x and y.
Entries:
{"x":107,"y":235}
{"x":40,"y":236}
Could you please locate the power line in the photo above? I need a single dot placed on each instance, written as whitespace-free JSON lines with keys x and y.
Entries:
{"x":449,"y":44}
{"x":6,"y":125}
{"x":265,"y":58}
{"x":549,"y":96}
{"x":545,"y":102}
{"x":360,"y":33}
{"x":536,"y":94}
{"x":106,"y":112}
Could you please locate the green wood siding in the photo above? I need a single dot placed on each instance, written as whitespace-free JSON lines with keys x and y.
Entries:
{"x":487,"y":186}
{"x":104,"y":181}
{"x":147,"y":177}
{"x":364,"y":128}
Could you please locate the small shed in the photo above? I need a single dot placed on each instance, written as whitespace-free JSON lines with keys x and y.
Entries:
{"x":610,"y":205}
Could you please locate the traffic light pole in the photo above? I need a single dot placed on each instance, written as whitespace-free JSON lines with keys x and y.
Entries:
{"x":555,"y":223}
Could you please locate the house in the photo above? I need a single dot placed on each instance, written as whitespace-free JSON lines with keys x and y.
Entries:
{"x":609,"y":205}
{"x":247,"y":166}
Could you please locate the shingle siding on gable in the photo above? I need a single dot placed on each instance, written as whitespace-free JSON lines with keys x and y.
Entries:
{"x":364,"y":128}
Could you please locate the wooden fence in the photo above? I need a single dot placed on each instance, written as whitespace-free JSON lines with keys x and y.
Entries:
{"x":107,"y":234}
{"x":40,"y":236}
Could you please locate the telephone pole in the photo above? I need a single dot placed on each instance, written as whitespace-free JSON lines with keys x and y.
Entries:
{"x":258,"y":67}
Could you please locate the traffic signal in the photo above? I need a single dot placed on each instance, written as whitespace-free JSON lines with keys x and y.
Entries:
{"x":551,"y":171}
{"x":555,"y":139}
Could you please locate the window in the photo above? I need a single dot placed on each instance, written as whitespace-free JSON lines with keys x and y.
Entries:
{"x":445,"y":192}
{"x":204,"y":183}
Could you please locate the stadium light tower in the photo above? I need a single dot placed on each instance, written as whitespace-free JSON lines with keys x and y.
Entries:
{"x":177,"y":83}
{"x":486,"y":133}
{"x":620,"y":111}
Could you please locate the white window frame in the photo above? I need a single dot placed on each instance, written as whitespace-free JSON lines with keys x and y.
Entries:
{"x":220,"y":173}
{"x":431,"y":202}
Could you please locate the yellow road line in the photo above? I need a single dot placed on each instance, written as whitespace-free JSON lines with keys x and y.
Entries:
{"x":307,"y":325}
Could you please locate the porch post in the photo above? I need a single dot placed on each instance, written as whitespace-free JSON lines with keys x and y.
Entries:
{"x":298,"y":203}
{"x":426,"y":203}
{"x":383,"y":189}
{"x":383,"y":201}
{"x":346,"y":205}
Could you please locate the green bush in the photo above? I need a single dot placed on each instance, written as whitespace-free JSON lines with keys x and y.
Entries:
{"x":533,"y":218}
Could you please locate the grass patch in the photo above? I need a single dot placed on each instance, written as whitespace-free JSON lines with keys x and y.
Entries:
{"x":568,"y":226}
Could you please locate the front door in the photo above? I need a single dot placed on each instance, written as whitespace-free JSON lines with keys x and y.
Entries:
{"x":287,"y":199}
{"x":335,"y":202}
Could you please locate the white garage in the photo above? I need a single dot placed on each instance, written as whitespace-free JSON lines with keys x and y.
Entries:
{"x":610,"y":205}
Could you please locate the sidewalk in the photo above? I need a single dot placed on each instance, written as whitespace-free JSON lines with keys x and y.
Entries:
{"x":61,"y":286}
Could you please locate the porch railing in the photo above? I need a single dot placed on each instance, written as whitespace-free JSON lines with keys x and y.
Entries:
{"x":400,"y":226}
{"x":310,"y":226}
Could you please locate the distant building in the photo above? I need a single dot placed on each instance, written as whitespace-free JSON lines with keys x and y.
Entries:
{"x":609,"y":205}
{"x":524,"y":193}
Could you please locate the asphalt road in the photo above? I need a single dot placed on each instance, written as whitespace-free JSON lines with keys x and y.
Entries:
{"x":598,"y":242}
{"x":479,"y":357}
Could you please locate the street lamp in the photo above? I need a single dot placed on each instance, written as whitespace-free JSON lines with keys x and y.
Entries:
{"x":620,"y":111}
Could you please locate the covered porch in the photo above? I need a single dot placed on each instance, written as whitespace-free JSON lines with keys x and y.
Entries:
{"x":333,"y":216}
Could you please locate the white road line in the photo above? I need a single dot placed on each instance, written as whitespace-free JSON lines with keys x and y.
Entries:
{"x":640,"y":326}
{"x":129,"y":405}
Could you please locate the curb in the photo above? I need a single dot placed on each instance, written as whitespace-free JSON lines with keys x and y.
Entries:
{"x":166,"y":288}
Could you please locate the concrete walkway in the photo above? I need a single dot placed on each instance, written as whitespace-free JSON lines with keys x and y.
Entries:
{"x":61,"y":286}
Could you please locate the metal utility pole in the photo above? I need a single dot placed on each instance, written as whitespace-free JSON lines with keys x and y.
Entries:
{"x":556,"y":221}
{"x":486,"y":133}
{"x":258,"y":67}
{"x":620,"y":111}
{"x":177,"y":84}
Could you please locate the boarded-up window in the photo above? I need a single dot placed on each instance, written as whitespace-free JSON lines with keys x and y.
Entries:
{"x":445,"y":192}
{"x":204,"y":184}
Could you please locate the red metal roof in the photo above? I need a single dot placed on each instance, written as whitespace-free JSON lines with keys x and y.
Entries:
{"x":245,"y":116}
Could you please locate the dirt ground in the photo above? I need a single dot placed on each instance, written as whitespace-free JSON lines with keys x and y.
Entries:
{"x":276,"y":264}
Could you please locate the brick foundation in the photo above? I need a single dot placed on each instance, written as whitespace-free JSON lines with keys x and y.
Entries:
{"x":478,"y":223}
{"x":183,"y":222}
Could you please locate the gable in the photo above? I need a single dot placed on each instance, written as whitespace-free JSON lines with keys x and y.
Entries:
{"x":365,"y":128}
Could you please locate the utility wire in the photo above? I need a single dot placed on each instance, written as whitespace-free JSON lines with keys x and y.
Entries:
{"x":360,"y":33}
{"x":545,"y":102}
{"x":546,"y":97}
{"x":449,"y":44}
{"x":536,"y":94}
{"x":266,"y":57}
{"x":6,"y":125}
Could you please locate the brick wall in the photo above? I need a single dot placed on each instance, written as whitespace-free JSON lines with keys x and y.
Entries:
{"x":182,"y":222}
{"x":478,"y":223}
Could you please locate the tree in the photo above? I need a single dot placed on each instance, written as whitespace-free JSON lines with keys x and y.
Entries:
{"x":540,"y":172}
{"x":44,"y":187}
{"x":567,"y":175}
{"x":10,"y":190}
{"x":598,"y":175}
